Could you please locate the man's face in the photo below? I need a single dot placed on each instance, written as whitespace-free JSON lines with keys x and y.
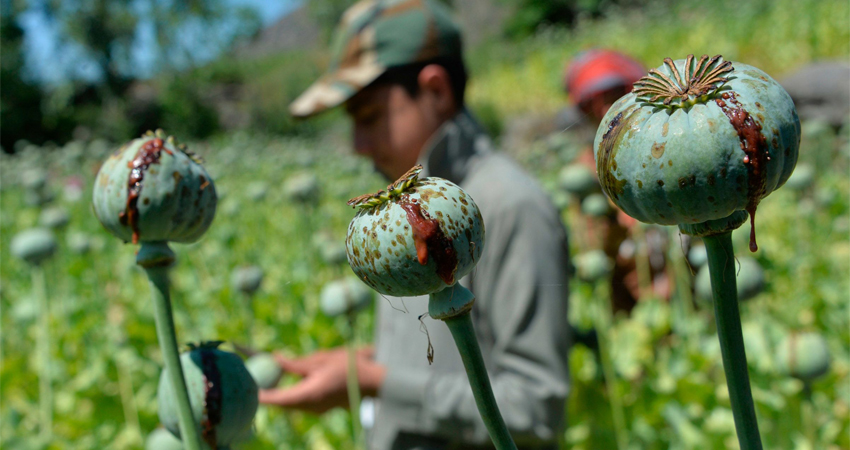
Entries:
{"x":391,"y":127}
{"x":596,"y":106}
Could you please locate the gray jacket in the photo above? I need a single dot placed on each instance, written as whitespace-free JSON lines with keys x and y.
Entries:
{"x":520,"y":314}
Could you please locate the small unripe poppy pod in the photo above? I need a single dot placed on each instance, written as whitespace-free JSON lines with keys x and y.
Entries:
{"x":804,"y":356}
{"x":265,"y":370}
{"x":247,"y":279}
{"x":417,"y":238}
{"x":34,"y":245}
{"x":344,"y":296}
{"x":152,"y":189}
{"x":749,"y":275}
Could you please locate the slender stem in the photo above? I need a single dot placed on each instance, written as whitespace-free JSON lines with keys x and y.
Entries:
{"x":353,"y":382}
{"x":642,"y":266}
{"x":467,"y":344}
{"x":684,"y":307}
{"x":158,"y":276}
{"x":248,"y":317}
{"x":578,"y":223}
{"x":128,"y":399}
{"x":807,"y":411}
{"x":721,"y":265}
{"x":45,"y":387}
{"x":603,"y":325}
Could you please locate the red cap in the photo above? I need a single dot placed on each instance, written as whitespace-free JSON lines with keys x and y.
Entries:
{"x":597,"y":70}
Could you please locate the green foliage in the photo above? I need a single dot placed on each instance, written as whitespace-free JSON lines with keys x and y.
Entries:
{"x":525,"y":76}
{"x":184,"y":111}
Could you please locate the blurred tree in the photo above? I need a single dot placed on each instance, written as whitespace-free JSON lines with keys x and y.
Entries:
{"x":530,"y":14}
{"x":110,"y":31}
{"x":114,"y":39}
{"x":327,"y":14}
{"x":21,"y":98}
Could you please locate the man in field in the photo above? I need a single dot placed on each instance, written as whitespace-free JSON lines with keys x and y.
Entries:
{"x":398,"y":70}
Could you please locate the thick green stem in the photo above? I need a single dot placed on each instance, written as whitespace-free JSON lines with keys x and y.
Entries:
{"x":721,"y":265}
{"x":603,"y":326}
{"x":452,"y":306}
{"x":467,"y":344}
{"x":45,"y":388}
{"x":157,"y":271}
{"x":353,"y":382}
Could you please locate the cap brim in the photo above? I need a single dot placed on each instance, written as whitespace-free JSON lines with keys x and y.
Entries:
{"x":333,"y":89}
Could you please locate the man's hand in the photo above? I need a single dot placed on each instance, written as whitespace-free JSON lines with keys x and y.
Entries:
{"x":323,"y":385}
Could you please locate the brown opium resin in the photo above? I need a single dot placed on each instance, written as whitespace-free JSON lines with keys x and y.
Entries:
{"x":430,"y":240}
{"x":212,"y":397}
{"x":148,"y":154}
{"x":754,"y":146}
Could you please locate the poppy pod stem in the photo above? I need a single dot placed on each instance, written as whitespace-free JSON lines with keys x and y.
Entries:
{"x":721,"y":265}
{"x":351,"y":378}
{"x":45,"y":387}
{"x":156,"y":258}
{"x":603,"y":328}
{"x":452,"y":306}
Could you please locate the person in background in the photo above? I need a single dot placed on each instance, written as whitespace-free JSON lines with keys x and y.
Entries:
{"x":397,"y":68}
{"x":594,"y":80}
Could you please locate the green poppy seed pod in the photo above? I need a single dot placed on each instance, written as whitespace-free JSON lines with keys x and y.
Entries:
{"x":417,"y":238}
{"x":34,"y":245}
{"x":749,"y":280}
{"x":595,"y":205}
{"x":696,"y":141}
{"x":222,"y":394}
{"x":804,"y":356}
{"x":55,"y":217}
{"x":593,"y":265}
{"x":578,"y":180}
{"x":302,"y":188}
{"x":153,"y":190}
{"x":78,"y":242}
{"x":344,"y":296}
{"x":247,"y":279}
{"x":257,"y":190}
{"x":330,"y":249}
{"x":698,"y":256}
{"x":265,"y":370}
{"x":34,"y":179}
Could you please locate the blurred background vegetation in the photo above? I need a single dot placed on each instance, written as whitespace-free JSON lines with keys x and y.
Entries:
{"x":199,"y":68}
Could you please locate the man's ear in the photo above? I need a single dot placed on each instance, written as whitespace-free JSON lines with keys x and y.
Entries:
{"x":434,"y":80}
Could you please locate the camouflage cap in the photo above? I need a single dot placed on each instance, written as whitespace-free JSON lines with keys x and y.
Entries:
{"x":373,"y":36}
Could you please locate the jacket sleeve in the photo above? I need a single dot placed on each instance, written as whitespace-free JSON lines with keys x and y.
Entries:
{"x":520,"y":315}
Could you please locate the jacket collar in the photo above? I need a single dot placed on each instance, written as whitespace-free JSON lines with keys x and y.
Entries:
{"x":454,"y":147}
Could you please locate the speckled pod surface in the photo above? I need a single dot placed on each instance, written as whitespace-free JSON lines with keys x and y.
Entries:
{"x":152,"y":190}
{"x":419,"y":240}
{"x":222,"y":393}
{"x":702,"y":152}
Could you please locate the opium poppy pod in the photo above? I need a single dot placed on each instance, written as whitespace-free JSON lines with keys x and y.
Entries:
{"x":417,"y":237}
{"x":153,"y":190}
{"x":222,"y":392}
{"x":696,"y":141}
